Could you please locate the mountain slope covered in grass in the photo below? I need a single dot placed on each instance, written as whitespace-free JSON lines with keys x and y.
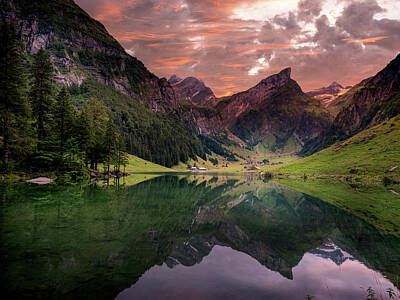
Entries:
{"x":372,"y":151}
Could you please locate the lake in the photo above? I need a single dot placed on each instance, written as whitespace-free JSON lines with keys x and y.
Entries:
{"x":188,"y":237}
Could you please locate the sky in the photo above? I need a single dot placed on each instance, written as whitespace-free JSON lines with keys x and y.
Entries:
{"x":233,"y":44}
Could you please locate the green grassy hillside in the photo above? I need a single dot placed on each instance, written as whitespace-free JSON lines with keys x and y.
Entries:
{"x":136,"y":164}
{"x":370,"y":152}
{"x":140,"y":169}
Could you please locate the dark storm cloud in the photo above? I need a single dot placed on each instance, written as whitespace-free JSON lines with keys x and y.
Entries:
{"x":357,"y":18}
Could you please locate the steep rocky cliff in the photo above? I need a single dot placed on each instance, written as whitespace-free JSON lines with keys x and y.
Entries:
{"x":82,"y":49}
{"x":275,"y":115}
{"x":367,"y":104}
{"x":233,"y":106}
{"x":284,"y":121}
{"x":372,"y":101}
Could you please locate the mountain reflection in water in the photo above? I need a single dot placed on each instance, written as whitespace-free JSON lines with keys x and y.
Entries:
{"x":185,"y":237}
{"x":229,"y":274}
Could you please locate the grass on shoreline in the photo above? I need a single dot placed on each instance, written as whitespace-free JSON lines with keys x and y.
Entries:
{"x":136,"y":166}
{"x":373,"y":203}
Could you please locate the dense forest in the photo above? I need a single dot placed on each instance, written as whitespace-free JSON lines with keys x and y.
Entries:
{"x":49,"y":127}
{"x":41,"y":129}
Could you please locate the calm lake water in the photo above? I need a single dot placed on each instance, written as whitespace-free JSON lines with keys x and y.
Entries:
{"x":186,"y":237}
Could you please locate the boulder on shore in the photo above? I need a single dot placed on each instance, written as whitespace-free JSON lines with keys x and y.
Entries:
{"x":40,"y":180}
{"x":392,"y":169}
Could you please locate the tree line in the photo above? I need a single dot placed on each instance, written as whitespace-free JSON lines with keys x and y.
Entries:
{"x":41,"y":130}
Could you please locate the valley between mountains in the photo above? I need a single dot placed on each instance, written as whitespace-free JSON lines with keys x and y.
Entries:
{"x":181,"y":124}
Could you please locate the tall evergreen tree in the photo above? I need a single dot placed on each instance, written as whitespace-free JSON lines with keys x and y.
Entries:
{"x":95,"y":115}
{"x":120,"y":156}
{"x":13,"y":104}
{"x":82,"y":133}
{"x":63,"y":118}
{"x":41,"y":94}
{"x":110,"y":142}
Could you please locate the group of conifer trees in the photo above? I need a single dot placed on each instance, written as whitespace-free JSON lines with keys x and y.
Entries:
{"x":41,"y":130}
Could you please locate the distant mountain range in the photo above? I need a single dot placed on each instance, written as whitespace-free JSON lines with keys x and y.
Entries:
{"x":327,"y":95}
{"x":273,"y":116}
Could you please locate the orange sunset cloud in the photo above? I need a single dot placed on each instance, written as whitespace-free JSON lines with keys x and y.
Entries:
{"x":234,"y":41}
{"x":366,"y":40}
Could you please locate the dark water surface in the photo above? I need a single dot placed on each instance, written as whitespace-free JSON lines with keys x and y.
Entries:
{"x":185,"y":237}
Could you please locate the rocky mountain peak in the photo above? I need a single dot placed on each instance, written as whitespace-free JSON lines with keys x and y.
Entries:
{"x":194,"y":81}
{"x":328,"y":95}
{"x":192,"y":89}
{"x":279,"y":79}
{"x":332,"y":89}
{"x":335,"y":84}
{"x":174,"y":79}
{"x":390,"y":72}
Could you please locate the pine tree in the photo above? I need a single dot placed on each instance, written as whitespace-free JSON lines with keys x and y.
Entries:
{"x":95,"y":115}
{"x":41,"y":94}
{"x":64,"y":118}
{"x":82,"y":134}
{"x":13,"y":104}
{"x":110,"y":142}
{"x":120,"y":156}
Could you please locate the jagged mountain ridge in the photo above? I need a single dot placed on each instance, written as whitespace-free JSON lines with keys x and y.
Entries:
{"x":232,"y":107}
{"x":333,"y":88}
{"x":275,"y":112}
{"x":372,"y":101}
{"x":288,"y":114}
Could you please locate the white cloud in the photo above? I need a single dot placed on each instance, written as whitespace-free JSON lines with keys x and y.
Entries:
{"x":392,"y":10}
{"x":263,"y":10}
{"x":262,"y":64}
{"x":254,"y":71}
{"x":296,"y":45}
{"x":332,"y":9}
